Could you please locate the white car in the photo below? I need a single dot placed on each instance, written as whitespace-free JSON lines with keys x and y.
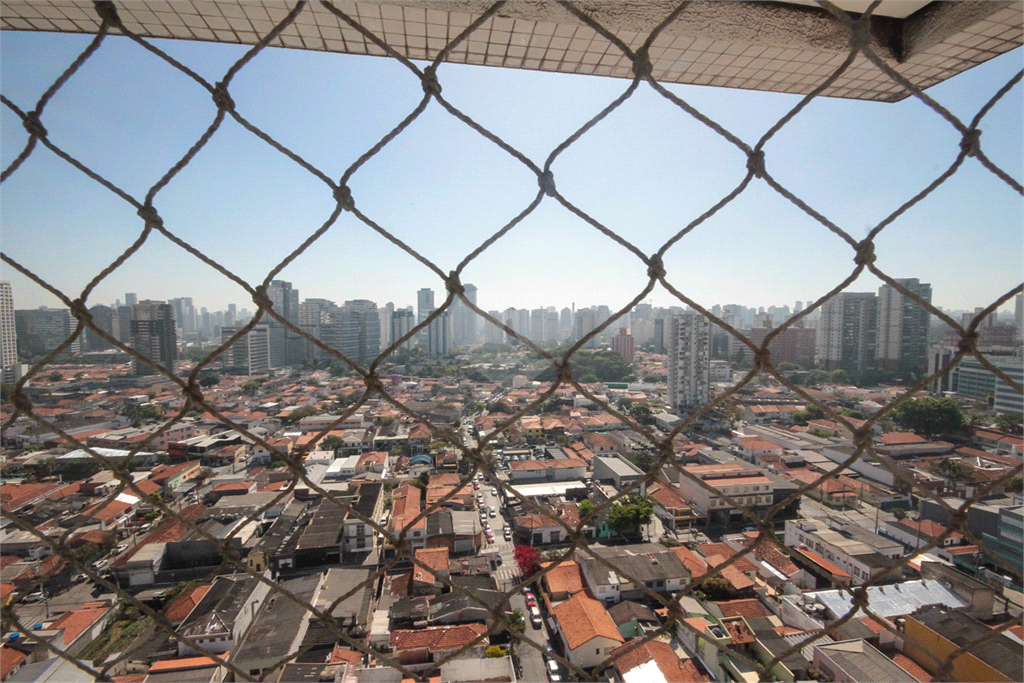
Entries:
{"x":552,"y":665}
{"x":120,"y":548}
{"x":494,"y":492}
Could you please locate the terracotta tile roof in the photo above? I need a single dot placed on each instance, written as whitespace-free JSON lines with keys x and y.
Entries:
{"x":77,"y":621}
{"x":182,"y":664}
{"x":582,"y":618}
{"x":749,"y":608}
{"x":726,"y":551}
{"x":665,"y":658}
{"x":130,"y":678}
{"x":823,"y":563}
{"x":911,"y":667}
{"x":436,"y":638}
{"x":184,"y":603}
{"x":343,"y":654}
{"x":693,"y":562}
{"x":739,"y":631}
{"x":9,"y":659}
{"x":435,"y":558}
{"x":565,"y":578}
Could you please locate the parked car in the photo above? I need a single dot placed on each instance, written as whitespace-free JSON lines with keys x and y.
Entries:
{"x":120,"y":548}
{"x":508,"y":533}
{"x":535,"y":617}
{"x":494,"y":492}
{"x":99,"y":564}
{"x":552,"y":665}
{"x":34,"y":597}
{"x":531,"y":601}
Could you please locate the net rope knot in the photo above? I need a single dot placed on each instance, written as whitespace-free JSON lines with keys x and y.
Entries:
{"x":193,"y":393}
{"x":860,"y":598}
{"x":222,"y":98}
{"x":260,"y":298}
{"x":865,"y":253}
{"x":107,"y":11}
{"x":546,"y":181}
{"x":563,"y":372}
{"x":971,"y":142}
{"x":79,"y":310}
{"x":656,"y":268}
{"x":22,"y":403}
{"x":373,"y":383}
{"x":149,"y":214}
{"x":33,"y":125}
{"x":763,"y":358}
{"x":642,"y":63}
{"x":431,"y":85}
{"x":968,"y":343}
{"x":755,"y":163}
{"x":863,"y":438}
{"x":453,"y":284}
{"x":343,"y":196}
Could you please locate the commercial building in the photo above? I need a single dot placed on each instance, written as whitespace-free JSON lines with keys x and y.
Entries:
{"x":848,"y":333}
{"x":689,"y":362}
{"x":902,"y":342}
{"x":936,"y":631}
{"x":153,"y":335}
{"x":439,"y":335}
{"x":402,"y":321}
{"x":857,"y":551}
{"x":251,"y":352}
{"x":355,"y":330}
{"x":623,"y":344}
{"x":792,"y":345}
{"x":42,"y":330}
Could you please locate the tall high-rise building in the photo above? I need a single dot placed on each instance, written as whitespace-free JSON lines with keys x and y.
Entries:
{"x":537,"y":325}
{"x":623,"y":344}
{"x":8,"y":328}
{"x":251,"y":352}
{"x":659,"y":336}
{"x":1018,"y":314}
{"x":492,"y":333}
{"x":689,"y":362}
{"x":586,"y":321}
{"x":184,"y":315}
{"x":386,"y":313}
{"x":902,"y":343}
{"x":464,"y":319}
{"x":103,"y":318}
{"x":359,"y":333}
{"x":402,"y":321}
{"x":439,"y":335}
{"x":153,"y":335}
{"x":551,"y":326}
{"x":424,"y":304}
{"x":130,"y":299}
{"x":288,"y":347}
{"x":793,"y":345}
{"x":565,"y":323}
{"x":42,"y":330}
{"x":847,"y":332}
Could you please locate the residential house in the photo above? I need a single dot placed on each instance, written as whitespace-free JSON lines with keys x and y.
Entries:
{"x":587,"y":632}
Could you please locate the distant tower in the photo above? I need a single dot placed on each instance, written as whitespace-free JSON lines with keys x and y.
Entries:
{"x":689,"y":362}
{"x":1018,"y":314}
{"x":424,"y":304}
{"x":623,"y":344}
{"x":903,"y":327}
{"x":8,"y":331}
{"x":130,"y":299}
{"x":848,"y":332}
{"x":153,"y":335}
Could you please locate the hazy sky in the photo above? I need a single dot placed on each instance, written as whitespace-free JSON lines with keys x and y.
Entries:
{"x":645,"y":171}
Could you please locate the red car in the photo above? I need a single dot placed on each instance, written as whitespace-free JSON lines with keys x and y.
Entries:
{"x":530,"y":600}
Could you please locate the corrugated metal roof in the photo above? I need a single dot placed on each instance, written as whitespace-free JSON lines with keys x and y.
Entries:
{"x":892,"y":600}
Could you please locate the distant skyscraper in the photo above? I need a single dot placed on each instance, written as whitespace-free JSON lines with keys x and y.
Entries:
{"x":439,"y":335}
{"x":464,"y":319}
{"x":565,"y":323}
{"x":130,"y":299}
{"x":1018,"y":314}
{"x":847,"y":333}
{"x":402,"y":321}
{"x":251,"y":352}
{"x":551,"y":326}
{"x":586,"y":321}
{"x":8,"y":328}
{"x":537,"y":325}
{"x":424,"y":304}
{"x":286,"y":348}
{"x":42,"y":330}
{"x":623,"y":344}
{"x":492,"y":333}
{"x":386,"y":313}
{"x":659,"y":336}
{"x":689,"y":362}
{"x":358,"y":330}
{"x":903,"y":327}
{"x":153,"y":335}
{"x":103,"y":318}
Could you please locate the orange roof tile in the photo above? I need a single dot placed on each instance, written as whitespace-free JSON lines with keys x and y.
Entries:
{"x":911,"y":667}
{"x":77,"y":621}
{"x":437,"y":638}
{"x":672,"y":668}
{"x":9,"y":659}
{"x":182,"y":664}
{"x":582,"y":618}
{"x":565,"y":578}
{"x":749,"y":608}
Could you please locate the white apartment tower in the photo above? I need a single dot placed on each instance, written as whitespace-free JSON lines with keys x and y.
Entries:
{"x":689,"y":362}
{"x":848,"y":332}
{"x":8,"y":331}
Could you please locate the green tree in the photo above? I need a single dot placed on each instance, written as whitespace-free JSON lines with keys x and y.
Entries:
{"x":586,"y":507}
{"x":422,"y":481}
{"x":209,"y":380}
{"x":252,"y":388}
{"x":651,"y":379}
{"x":787,"y":367}
{"x":812,"y":412}
{"x":1010,"y":422}
{"x":331,"y":443}
{"x":149,"y":412}
{"x":515,"y":621}
{"x":495,"y":652}
{"x":899,"y":513}
{"x":1015,"y":484}
{"x":626,"y":518}
{"x":838,"y":376}
{"x":642,"y":413}
{"x":929,"y":417}
{"x":954,"y":470}
{"x":55,"y":376}
{"x":717,"y":587}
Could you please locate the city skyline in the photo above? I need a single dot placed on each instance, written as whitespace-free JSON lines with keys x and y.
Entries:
{"x":645,"y":171}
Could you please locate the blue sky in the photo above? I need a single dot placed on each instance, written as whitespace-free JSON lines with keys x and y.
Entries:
{"x":645,"y":172}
